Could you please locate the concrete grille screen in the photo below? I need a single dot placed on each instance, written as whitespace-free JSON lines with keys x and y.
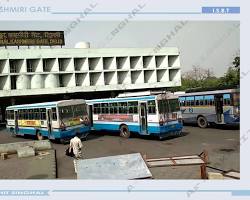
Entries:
{"x":49,"y":71}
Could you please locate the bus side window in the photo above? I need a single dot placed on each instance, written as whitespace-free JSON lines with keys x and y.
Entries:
{"x":151,"y":107}
{"x":25,"y":114}
{"x":122,"y":108}
{"x":136,"y":108}
{"x":205,"y":102}
{"x":97,"y":109}
{"x":227,"y":102}
{"x":133,"y":107}
{"x":43,"y":113}
{"x":22,"y":114}
{"x":113,"y":108}
{"x":19,"y":114}
{"x":54,"y":115}
{"x":36,"y":114}
{"x":10,"y":114}
{"x":104,"y":108}
{"x":30,"y":114}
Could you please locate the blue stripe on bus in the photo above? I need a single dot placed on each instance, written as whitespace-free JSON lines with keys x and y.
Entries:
{"x":31,"y":106}
{"x":121,"y":99}
{"x":55,"y":134}
{"x":154,"y":130}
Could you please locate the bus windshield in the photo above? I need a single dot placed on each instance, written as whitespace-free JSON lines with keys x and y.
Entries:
{"x":174,"y":105}
{"x":74,"y":111}
{"x":163,"y":106}
{"x":166,"y":106}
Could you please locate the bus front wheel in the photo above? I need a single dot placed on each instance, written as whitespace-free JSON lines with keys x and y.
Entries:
{"x":202,"y":122}
{"x":124,"y":131}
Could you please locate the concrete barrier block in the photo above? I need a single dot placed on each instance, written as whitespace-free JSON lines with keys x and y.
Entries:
{"x":213,"y":175}
{"x":25,"y":152}
{"x":11,"y":148}
{"x":4,"y":156}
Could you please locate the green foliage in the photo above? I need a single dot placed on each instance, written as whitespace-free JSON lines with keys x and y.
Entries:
{"x":203,"y":79}
{"x":231,"y":78}
{"x":236,"y":62}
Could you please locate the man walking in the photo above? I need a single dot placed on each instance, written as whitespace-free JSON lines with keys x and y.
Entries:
{"x":76,"y":145}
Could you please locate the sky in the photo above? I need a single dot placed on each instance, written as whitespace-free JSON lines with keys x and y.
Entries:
{"x":207,"y":44}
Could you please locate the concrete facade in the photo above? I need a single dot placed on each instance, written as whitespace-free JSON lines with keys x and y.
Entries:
{"x":57,"y":71}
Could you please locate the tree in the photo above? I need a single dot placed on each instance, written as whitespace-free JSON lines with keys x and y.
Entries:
{"x":198,"y":78}
{"x":236,"y":62}
{"x":203,"y":79}
{"x":231,"y":78}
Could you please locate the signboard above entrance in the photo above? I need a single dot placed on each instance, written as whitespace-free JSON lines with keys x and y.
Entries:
{"x":31,"y":38}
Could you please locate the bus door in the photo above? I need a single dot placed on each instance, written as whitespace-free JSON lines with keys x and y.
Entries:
{"x":143,"y":117}
{"x":16,"y":121}
{"x":49,"y":122}
{"x":90,"y":113}
{"x":218,"y":101}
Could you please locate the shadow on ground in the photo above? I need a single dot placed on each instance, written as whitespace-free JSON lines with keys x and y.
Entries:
{"x":217,"y":126}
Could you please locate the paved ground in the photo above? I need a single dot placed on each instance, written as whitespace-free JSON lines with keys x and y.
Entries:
{"x":35,"y":167}
{"x":222,"y":146}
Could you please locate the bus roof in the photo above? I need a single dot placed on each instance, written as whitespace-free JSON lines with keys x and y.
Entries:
{"x":48,"y":104}
{"x":122,"y":99}
{"x":208,"y":92}
{"x":138,"y":98}
{"x":141,"y":93}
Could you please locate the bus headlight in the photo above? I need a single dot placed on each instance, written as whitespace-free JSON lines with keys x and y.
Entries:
{"x":161,"y":122}
{"x":62,"y":127}
{"x":236,"y":111}
{"x":180,"y":120}
{"x":86,"y":121}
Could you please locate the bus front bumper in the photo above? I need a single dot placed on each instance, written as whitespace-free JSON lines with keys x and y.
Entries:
{"x":170,"y":130}
{"x":67,"y":134}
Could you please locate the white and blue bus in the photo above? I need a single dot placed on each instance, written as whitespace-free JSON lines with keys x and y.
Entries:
{"x":157,"y":115}
{"x":1,"y":117}
{"x":204,"y":108}
{"x":59,"y":120}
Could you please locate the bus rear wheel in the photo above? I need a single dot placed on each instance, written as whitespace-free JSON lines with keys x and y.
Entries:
{"x":39,"y":136}
{"x":124,"y":131}
{"x":202,"y":122}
